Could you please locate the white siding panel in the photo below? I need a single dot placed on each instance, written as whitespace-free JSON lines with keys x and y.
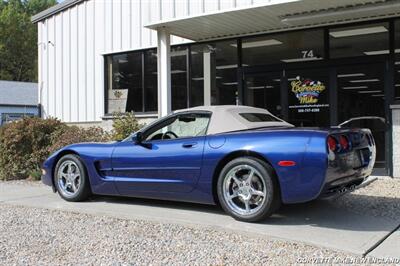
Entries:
{"x":108,"y":24}
{"x":40,"y":59}
{"x":242,"y":3}
{"x":98,"y":97}
{"x":51,"y":67}
{"x":146,"y":34}
{"x":136,"y":28}
{"x":117,"y":24}
{"x":71,"y":73}
{"x":155,"y":15}
{"x":211,"y":5}
{"x":82,"y":68}
{"x":126,"y":24}
{"x":227,"y":4}
{"x":90,"y":37}
{"x":167,"y":9}
{"x":74,"y":67}
{"x":45,"y":89}
{"x":66,"y":66}
{"x":196,"y":7}
{"x":58,"y":49}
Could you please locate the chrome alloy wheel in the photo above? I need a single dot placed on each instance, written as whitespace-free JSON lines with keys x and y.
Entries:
{"x":244,"y":190}
{"x":69,"y":178}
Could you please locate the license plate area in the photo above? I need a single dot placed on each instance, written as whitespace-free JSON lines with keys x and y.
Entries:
{"x":364,"y":155}
{"x":354,"y":160}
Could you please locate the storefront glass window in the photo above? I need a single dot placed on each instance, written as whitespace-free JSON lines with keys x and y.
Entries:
{"x":150,"y":78}
{"x":361,"y":94}
{"x":281,"y":48}
{"x":308,"y":97}
{"x":362,"y":40}
{"x":226,"y":61}
{"x":264,"y":90}
{"x":125,"y":83}
{"x":196,"y":97}
{"x":214,"y":73}
{"x":397,"y":61}
{"x":179,"y":56}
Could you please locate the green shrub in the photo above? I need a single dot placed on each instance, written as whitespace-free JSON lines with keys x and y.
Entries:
{"x":124,"y":125}
{"x":73,"y":134}
{"x":24,"y":146}
{"x":26,"y":143}
{"x":35,"y":174}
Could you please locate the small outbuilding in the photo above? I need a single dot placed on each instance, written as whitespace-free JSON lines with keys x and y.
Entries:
{"x":17,"y":99}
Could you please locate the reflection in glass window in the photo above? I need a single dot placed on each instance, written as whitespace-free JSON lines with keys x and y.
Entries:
{"x":361,"y":94}
{"x":150,"y":77}
{"x":364,"y":40}
{"x":179,"y":77}
{"x":360,"y":91}
{"x":264,"y":90}
{"x":214,"y":73}
{"x":283,"y":48}
{"x":196,"y":97}
{"x":397,"y":61}
{"x":126,"y":89}
{"x":125,"y":83}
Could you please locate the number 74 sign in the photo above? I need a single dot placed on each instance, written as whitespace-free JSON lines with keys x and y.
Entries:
{"x":307,"y":53}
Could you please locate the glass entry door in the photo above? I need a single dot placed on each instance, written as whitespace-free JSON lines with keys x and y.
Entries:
{"x":323,"y":97}
{"x":308,"y":97}
{"x":361,"y":102}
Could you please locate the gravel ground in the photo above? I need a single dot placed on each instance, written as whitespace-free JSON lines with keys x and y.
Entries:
{"x":380,"y":198}
{"x":29,"y":183}
{"x":31,"y":236}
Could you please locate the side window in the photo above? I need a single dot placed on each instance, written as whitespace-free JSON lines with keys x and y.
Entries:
{"x":180,"y":126}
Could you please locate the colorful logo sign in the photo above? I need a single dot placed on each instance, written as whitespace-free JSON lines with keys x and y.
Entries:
{"x":306,"y":90}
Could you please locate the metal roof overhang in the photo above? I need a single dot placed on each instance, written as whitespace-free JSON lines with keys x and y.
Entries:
{"x":276,"y":16}
{"x":54,"y":10}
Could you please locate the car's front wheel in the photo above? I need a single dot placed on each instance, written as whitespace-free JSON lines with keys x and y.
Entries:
{"x":70,"y":178}
{"x":247,"y":189}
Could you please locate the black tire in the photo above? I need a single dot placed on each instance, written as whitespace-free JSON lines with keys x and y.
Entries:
{"x":272,"y":199}
{"x":84,"y":191}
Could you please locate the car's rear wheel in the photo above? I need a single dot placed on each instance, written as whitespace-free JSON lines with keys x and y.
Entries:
{"x":247,"y":189}
{"x":70,"y":178}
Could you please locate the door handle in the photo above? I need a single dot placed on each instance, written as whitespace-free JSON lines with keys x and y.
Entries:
{"x":189,"y":145}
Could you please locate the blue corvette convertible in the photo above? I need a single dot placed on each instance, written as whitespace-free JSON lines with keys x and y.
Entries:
{"x":243,"y":158}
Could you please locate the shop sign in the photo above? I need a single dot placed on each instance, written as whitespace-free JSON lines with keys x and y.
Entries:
{"x":307,"y":92}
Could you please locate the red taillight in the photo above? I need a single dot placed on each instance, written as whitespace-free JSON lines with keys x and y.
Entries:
{"x":332,"y":143}
{"x":344,"y":142}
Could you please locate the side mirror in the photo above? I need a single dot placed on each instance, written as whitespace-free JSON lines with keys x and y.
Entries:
{"x":137,"y":138}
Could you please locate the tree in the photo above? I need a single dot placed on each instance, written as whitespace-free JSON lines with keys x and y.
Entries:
{"x":18,"y":38}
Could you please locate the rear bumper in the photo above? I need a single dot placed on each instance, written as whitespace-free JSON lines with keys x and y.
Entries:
{"x":348,"y":170}
{"x":341,"y":186}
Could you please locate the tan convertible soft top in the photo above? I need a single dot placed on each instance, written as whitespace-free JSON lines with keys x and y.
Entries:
{"x":227,"y":118}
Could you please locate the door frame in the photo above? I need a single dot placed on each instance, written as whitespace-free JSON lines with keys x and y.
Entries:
{"x":386,"y":62}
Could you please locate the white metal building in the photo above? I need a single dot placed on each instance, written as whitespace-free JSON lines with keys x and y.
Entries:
{"x":311,"y":62}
